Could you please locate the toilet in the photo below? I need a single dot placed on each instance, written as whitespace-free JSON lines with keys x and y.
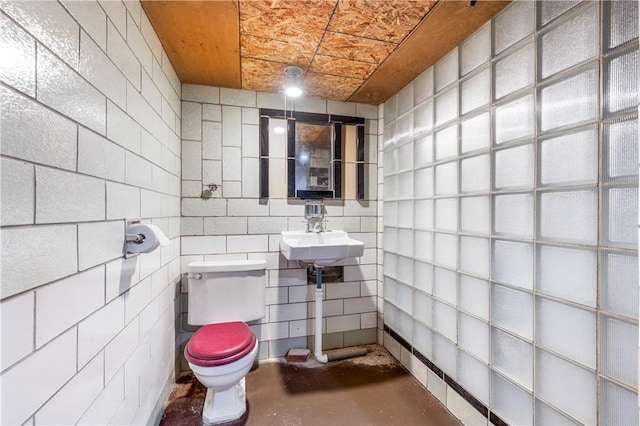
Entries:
{"x":223,"y":296}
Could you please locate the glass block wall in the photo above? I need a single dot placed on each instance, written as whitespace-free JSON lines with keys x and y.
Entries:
{"x":511,"y":214}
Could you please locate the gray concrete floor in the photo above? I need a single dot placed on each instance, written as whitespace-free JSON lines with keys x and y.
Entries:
{"x":370,"y":390}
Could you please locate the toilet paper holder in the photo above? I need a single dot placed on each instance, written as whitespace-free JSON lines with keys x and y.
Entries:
{"x":137,"y":242}
{"x":134,"y":238}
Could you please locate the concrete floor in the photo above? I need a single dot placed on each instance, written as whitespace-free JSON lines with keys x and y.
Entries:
{"x":370,"y":390}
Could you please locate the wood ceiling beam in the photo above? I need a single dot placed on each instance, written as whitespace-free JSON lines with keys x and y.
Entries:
{"x":201,"y":38}
{"x":448,"y":24}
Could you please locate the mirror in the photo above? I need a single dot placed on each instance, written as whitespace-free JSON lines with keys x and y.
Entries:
{"x":319,"y":150}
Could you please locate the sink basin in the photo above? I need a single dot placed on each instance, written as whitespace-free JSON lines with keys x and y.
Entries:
{"x":319,"y":248}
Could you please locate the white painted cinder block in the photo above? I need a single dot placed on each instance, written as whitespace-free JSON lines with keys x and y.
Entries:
{"x":65,"y":91}
{"x":191,"y":121}
{"x":237,"y":97}
{"x":292,"y":311}
{"x":106,"y":404}
{"x":204,"y":94}
{"x":17,"y":44}
{"x":123,"y":201}
{"x":121,"y":275}
{"x":67,"y":406}
{"x":17,"y":182}
{"x":121,"y":55}
{"x":37,"y":133}
{"x":225,"y":225}
{"x":247,"y":243}
{"x":98,"y":329}
{"x":138,"y":171}
{"x":50,"y":367}
{"x":122,"y":129}
{"x":68,"y":197}
{"x":138,"y":45}
{"x":99,"y":242}
{"x":151,"y":93}
{"x":192,"y":160}
{"x":203,"y":245}
{"x":16,"y":323}
{"x":54,"y":247}
{"x":100,"y":71}
{"x":92,"y":19}
{"x":61,"y":304}
{"x":231,"y":126}
{"x":343,"y":323}
{"x":119,"y":349}
{"x":99,"y":157}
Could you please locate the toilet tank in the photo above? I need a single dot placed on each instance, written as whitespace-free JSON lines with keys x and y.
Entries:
{"x":224,"y":291}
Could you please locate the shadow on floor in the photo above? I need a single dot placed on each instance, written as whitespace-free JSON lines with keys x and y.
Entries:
{"x":370,"y":390}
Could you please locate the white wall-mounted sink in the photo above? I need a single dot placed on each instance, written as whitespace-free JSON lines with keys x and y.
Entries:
{"x":319,"y":248}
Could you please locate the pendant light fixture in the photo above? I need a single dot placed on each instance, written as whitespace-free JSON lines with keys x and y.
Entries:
{"x":293,"y":81}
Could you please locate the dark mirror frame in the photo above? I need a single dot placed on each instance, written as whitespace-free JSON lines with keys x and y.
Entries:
{"x":337,"y":121}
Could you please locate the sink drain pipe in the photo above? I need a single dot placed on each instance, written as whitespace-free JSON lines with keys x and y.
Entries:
{"x":323,"y":358}
{"x":318,"y":318}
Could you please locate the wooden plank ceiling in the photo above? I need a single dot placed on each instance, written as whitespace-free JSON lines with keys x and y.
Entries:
{"x":350,"y":50}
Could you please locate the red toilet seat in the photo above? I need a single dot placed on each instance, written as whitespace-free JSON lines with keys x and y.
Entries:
{"x":220,"y":344}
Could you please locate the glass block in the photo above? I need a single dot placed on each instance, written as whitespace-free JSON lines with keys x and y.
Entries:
{"x":390,"y":315}
{"x":619,"y":349}
{"x":573,"y":41}
{"x":446,"y":106}
{"x":473,"y":296}
{"x":618,"y":282}
{"x":515,"y":120}
{"x":474,"y":256}
{"x":423,"y":118}
{"x":405,"y":185}
{"x":405,"y":214}
{"x":405,"y":264}
{"x":570,"y":159}
{"x":582,"y":89}
{"x":444,"y":285}
{"x":404,"y":128}
{"x":446,"y":214}
{"x":447,"y":178}
{"x":390,"y":187}
{"x":550,"y":10}
{"x":545,"y":415}
{"x":620,"y":22}
{"x":445,"y":355}
{"x":512,"y":357}
{"x":405,"y":157}
{"x":513,"y":215}
{"x":512,"y":310}
{"x":619,"y":216}
{"x":390,"y":239}
{"x":423,"y":214}
{"x":404,"y":298}
{"x":515,"y":72}
{"x":567,"y":273}
{"x":621,"y":82}
{"x":446,"y":70}
{"x":423,"y":179}
{"x":390,"y":287}
{"x":569,"y":216}
{"x":444,"y":320}
{"x":446,"y":250}
{"x":405,"y":99}
{"x":475,"y":50}
{"x":391,"y":109}
{"x":423,"y":86}
{"x":512,"y":403}
{"x":475,"y":91}
{"x":405,"y":239}
{"x":473,"y":375}
{"x":422,"y":308}
{"x":474,"y":336}
{"x":423,"y":245}
{"x":447,"y":142}
{"x":422,"y":339}
{"x":475,"y":217}
{"x":389,"y":158}
{"x":566,"y":386}
{"x":514,"y":23}
{"x":390,"y":217}
{"x":390,"y":135}
{"x":423,"y":276}
{"x":512,"y":263}
{"x":566,"y":330}
{"x":514,"y":167}
{"x":620,"y":150}
{"x":405,"y":325}
{"x":618,"y":406}
{"x":475,"y":174}
{"x":423,"y":151}
{"x":475,"y":133}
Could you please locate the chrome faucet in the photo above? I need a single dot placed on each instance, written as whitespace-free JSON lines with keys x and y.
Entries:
{"x":314,"y":214}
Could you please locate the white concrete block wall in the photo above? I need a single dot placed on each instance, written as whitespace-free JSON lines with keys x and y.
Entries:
{"x":89,"y":136}
{"x":220,"y":145}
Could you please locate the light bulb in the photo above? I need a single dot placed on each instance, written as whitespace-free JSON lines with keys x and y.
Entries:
{"x":293,"y":91}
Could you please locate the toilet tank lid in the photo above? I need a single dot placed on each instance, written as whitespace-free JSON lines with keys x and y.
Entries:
{"x":226,"y":266}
